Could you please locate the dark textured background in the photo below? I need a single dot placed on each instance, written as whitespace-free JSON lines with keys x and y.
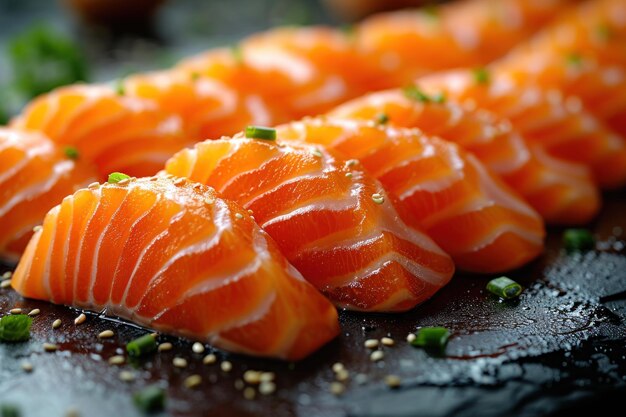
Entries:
{"x":558,"y":350}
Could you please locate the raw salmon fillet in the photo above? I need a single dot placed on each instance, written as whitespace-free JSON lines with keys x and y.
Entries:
{"x":115,"y":132}
{"x":410,"y":43}
{"x":34,"y":177}
{"x":560,"y":125}
{"x":561,"y":192}
{"x":448,"y":193}
{"x":172,"y":255}
{"x":330,"y":220}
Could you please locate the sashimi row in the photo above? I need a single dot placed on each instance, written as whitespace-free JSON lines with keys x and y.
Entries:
{"x":367,"y":208}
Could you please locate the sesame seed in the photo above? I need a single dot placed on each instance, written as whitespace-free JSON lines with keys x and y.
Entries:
{"x":338,"y":367}
{"x":351,"y":162}
{"x":179,"y":362}
{"x":193,"y":381}
{"x":342,"y":376}
{"x":34,"y":312}
{"x":249,"y":393}
{"x":209,"y":359}
{"x":393,"y":381}
{"x":37,"y":228}
{"x":50,"y":347}
{"x":5,"y":284}
{"x":93,"y":185}
{"x":378,"y":198}
{"x":267,"y":376}
{"x":387,"y":341}
{"x":250,"y":212}
{"x":252,"y":377}
{"x":124,"y":181}
{"x":371,"y":343}
{"x":226,"y":366}
{"x":317,"y":153}
{"x":56,"y":324}
{"x":7,"y":275}
{"x":163,"y":347}
{"x":349,"y":174}
{"x":117,"y":360}
{"x":154,"y":178}
{"x":267,"y":388}
{"x":15,"y":311}
{"x":239,"y":216}
{"x":154,"y":334}
{"x":179,"y":181}
{"x":410,"y":337}
{"x":209,"y":200}
{"x":198,"y":347}
{"x":377,"y":355}
{"x":127,"y":376}
{"x":80,"y":319}
{"x":337,"y":388}
{"x":239,"y":384}
{"x":27,"y":366}
{"x":106,"y":334}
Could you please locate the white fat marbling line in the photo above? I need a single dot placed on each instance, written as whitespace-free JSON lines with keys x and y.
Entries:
{"x":258,"y":110}
{"x":333,"y":88}
{"x":51,"y":230}
{"x":16,"y":139}
{"x":299,"y":70}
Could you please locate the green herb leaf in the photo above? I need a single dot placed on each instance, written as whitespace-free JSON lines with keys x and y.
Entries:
{"x":42,"y":59}
{"x":237,"y":52}
{"x":141,"y":346}
{"x":71,"y":152}
{"x":504,"y":287}
{"x":116,"y":177}
{"x":578,"y":240}
{"x":120,"y":90}
{"x":150,"y":399}
{"x":15,"y":328}
{"x":414,"y":93}
{"x":431,"y":337}
{"x":9,"y":410}
{"x":439,"y":98}
{"x":260,"y":132}
{"x":382,"y":119}
{"x":574,"y":59}
{"x":481,"y":75}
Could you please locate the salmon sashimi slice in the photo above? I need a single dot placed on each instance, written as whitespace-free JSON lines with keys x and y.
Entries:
{"x":174,"y":256}
{"x":595,"y":27}
{"x":330,"y":219}
{"x":561,"y":192}
{"x":448,"y":193}
{"x":465,"y":33}
{"x":207,"y":106}
{"x":34,"y":177}
{"x":305,"y":70}
{"x":558,"y":124}
{"x":115,"y":132}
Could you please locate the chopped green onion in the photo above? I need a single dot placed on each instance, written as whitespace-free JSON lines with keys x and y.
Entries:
{"x":260,"y":132}
{"x":348,"y":31}
{"x":604,"y":32}
{"x":431,"y":337}
{"x":578,"y":240}
{"x":71,"y":152}
{"x":504,"y":287}
{"x":439,"y":98}
{"x":141,"y":346}
{"x":150,"y":399}
{"x":414,"y":93}
{"x":195,"y":76}
{"x":237,"y":52}
{"x":116,"y":177}
{"x":120,"y":90}
{"x":574,"y":59}
{"x":9,"y":410}
{"x":382,"y":119}
{"x":15,"y":328}
{"x":481,"y":75}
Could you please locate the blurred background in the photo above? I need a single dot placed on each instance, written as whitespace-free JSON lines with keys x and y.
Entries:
{"x":45,"y":44}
